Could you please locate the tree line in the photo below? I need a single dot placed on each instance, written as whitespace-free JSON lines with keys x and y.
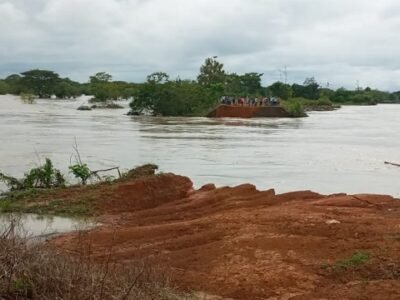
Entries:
{"x":161,"y":95}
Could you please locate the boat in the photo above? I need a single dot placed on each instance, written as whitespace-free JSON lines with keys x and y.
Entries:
{"x":248,"y":111}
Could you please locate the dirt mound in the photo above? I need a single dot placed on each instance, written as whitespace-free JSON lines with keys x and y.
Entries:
{"x":140,"y":172}
{"x":242,"y":243}
{"x":145,"y":192}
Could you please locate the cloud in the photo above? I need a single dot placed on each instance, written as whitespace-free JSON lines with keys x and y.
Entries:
{"x":337,"y":41}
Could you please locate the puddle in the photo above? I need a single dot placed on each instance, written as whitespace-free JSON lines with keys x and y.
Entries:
{"x":36,"y":226}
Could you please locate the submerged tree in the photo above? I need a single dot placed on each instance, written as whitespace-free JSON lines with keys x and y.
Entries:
{"x":40,"y":82}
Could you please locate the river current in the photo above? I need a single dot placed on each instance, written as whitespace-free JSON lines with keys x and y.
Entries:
{"x":328,"y":152}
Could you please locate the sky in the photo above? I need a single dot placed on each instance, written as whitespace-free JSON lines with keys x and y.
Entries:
{"x":339,"y":42}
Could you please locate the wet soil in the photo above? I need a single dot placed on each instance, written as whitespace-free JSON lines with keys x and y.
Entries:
{"x":242,"y":243}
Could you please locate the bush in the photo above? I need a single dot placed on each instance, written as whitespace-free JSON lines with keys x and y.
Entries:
{"x":44,"y":176}
{"x":81,"y":171}
{"x":27,"y":98}
{"x":294,"y":108}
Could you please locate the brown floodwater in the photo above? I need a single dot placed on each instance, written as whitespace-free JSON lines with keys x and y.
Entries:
{"x":340,"y":151}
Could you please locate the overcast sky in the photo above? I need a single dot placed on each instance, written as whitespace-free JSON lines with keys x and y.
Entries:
{"x":336,"y":41}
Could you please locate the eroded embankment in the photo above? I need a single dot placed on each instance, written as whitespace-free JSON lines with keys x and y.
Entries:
{"x":242,"y":243}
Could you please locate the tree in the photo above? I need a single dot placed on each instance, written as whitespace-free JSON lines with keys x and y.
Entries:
{"x":251,"y":83}
{"x":233,"y":85}
{"x":100,"y":77}
{"x":281,"y":90}
{"x":342,"y":95}
{"x":67,"y":88}
{"x":211,"y":72}
{"x":158,"y":77}
{"x":40,"y":82}
{"x":311,"y":88}
{"x":101,"y":86}
{"x":14,"y":84}
{"x":4,"y":87}
{"x":173,"y":98}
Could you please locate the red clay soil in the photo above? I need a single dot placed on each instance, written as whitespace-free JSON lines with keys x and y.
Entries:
{"x":237,"y":111}
{"x":241,"y":243}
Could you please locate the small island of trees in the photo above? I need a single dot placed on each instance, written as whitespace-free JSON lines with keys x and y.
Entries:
{"x":161,"y":95}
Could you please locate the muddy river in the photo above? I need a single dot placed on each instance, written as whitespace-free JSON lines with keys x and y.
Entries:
{"x":341,"y":151}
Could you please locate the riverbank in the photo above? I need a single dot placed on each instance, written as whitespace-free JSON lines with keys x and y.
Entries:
{"x":242,"y":243}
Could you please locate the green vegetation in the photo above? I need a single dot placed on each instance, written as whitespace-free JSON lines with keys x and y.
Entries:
{"x":295,"y":108}
{"x":357,"y":259}
{"x":81,"y":171}
{"x":173,"y":98}
{"x":161,"y":95}
{"x":43,"y":176}
{"x":50,"y":202}
{"x":28,"y":98}
{"x":310,"y":105}
{"x":46,"y":196}
{"x":28,"y":194}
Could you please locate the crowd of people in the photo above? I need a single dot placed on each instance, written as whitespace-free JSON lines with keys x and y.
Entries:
{"x":250,"y":101}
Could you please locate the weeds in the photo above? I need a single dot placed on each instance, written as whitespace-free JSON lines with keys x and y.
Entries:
{"x":28,"y":98}
{"x":31,"y":270}
{"x":43,"y":176}
{"x":358,"y":259}
{"x":74,"y":201}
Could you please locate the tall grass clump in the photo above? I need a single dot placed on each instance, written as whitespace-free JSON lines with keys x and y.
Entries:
{"x":27,"y":98}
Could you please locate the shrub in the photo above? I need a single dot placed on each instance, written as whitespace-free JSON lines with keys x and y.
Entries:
{"x":27,"y":98}
{"x":44,"y":176}
{"x":81,"y":171}
{"x":294,"y":108}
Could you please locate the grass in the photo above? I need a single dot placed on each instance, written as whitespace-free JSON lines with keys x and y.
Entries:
{"x":357,"y":259}
{"x":48,"y":202}
{"x":72,"y":201}
{"x":38,"y":271}
{"x":6,"y":206}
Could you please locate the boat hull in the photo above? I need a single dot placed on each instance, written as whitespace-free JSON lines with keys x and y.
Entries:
{"x":237,"y":111}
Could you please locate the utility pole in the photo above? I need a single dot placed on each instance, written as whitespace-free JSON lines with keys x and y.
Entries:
{"x":285,"y":73}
